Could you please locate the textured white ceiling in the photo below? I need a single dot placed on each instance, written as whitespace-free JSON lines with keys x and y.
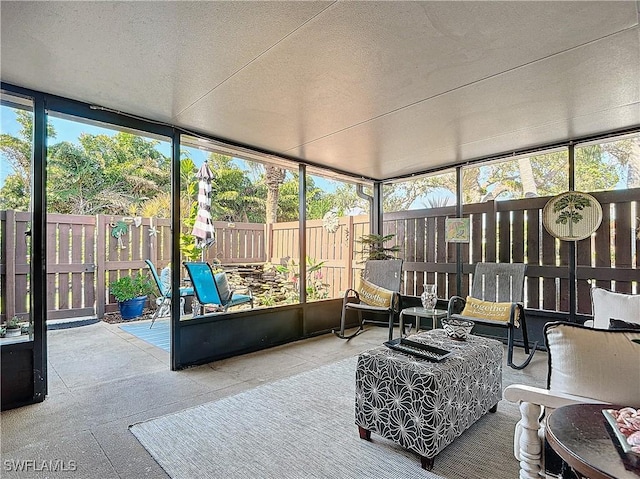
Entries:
{"x":378,"y":89}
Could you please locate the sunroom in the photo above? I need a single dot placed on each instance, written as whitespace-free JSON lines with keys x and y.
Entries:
{"x":448,"y":128}
{"x":383,"y":118}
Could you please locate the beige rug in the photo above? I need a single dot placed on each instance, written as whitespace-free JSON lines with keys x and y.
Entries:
{"x":303,"y":427}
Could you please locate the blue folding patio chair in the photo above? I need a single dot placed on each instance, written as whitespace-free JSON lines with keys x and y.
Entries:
{"x":163,"y":301}
{"x":213,"y":289}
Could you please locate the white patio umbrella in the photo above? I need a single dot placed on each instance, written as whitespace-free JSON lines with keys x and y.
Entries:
{"x":203,"y":228}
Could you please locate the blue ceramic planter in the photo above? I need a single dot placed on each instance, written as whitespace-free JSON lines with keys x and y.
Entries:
{"x":132,"y":308}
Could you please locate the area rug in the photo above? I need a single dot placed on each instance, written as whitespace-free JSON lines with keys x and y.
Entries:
{"x":303,"y":427}
{"x":159,"y":335}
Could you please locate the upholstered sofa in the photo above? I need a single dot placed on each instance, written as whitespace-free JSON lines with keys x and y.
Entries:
{"x":586,"y":365}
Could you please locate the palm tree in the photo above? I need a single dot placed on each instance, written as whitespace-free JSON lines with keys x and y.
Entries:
{"x":274,"y":177}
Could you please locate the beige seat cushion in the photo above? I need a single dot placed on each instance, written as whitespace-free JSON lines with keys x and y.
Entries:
{"x":594,"y":363}
{"x":607,"y":305}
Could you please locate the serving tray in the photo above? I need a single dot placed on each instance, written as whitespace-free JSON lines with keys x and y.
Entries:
{"x":420,"y":350}
{"x":622,"y":439}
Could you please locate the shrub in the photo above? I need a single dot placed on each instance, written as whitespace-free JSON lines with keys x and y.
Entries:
{"x":128,"y":287}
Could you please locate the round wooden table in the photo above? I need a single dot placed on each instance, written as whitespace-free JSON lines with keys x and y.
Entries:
{"x":578,"y":433}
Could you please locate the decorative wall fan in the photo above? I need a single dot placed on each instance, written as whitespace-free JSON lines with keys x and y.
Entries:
{"x":572,"y":216}
{"x":330,"y":221}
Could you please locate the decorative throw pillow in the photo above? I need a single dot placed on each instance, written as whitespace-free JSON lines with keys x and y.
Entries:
{"x":594,"y":363}
{"x":476,"y":308}
{"x":620,"y":324}
{"x":374,"y":295}
{"x":224,"y":290}
{"x":625,"y":306}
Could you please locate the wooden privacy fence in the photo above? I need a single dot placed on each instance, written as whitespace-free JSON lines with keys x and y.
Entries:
{"x":512,"y":231}
{"x":336,"y":249}
{"x":83,"y":256}
{"x":14,"y":264}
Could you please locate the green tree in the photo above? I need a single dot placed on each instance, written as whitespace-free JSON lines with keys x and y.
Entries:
{"x":160,"y":205}
{"x":233,"y":196}
{"x":101,"y":174}
{"x":318,"y":201}
{"x":287,"y":206}
{"x":543,"y":175}
{"x":133,"y":169}
{"x":627,"y":154}
{"x":345,"y":199}
{"x":75,"y":181}
{"x":400,"y":196}
{"x":16,"y":192}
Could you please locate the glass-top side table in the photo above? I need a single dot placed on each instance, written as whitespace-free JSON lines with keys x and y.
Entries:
{"x":419,"y":313}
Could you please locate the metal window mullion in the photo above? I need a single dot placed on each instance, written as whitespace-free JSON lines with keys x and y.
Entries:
{"x":302,"y":211}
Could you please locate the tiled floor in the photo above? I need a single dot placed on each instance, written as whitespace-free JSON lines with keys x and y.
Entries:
{"x":102,"y":379}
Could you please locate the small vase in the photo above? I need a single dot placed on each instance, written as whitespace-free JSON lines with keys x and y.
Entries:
{"x":429,"y":297}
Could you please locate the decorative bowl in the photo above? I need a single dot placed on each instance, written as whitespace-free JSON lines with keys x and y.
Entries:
{"x":457,"y":329}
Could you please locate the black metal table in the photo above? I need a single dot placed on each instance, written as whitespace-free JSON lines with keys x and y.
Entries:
{"x":419,"y":313}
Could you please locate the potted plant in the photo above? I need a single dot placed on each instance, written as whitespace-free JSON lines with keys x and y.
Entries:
{"x":13,"y":327}
{"x":373,"y":247}
{"x":131,"y":293}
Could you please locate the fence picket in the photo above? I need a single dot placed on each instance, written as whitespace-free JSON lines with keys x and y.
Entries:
{"x":623,"y":232}
{"x":533,"y":224}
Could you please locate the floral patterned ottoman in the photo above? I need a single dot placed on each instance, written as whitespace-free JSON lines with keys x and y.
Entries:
{"x":421,"y":405}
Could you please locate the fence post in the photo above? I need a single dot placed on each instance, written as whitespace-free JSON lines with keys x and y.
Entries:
{"x":101,"y":257}
{"x":269,"y":241}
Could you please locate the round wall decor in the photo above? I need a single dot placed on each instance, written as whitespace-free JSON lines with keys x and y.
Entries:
{"x":330,"y":221}
{"x":572,"y":216}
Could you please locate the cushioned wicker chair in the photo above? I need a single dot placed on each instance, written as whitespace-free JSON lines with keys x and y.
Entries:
{"x":213,"y":289}
{"x":163,"y":302}
{"x":385,"y":274}
{"x":499,"y":282}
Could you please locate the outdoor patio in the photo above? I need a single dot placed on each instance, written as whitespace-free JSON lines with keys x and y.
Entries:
{"x":102,"y":379}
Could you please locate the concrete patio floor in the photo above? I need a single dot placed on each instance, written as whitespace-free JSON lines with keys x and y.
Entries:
{"x":102,"y":379}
